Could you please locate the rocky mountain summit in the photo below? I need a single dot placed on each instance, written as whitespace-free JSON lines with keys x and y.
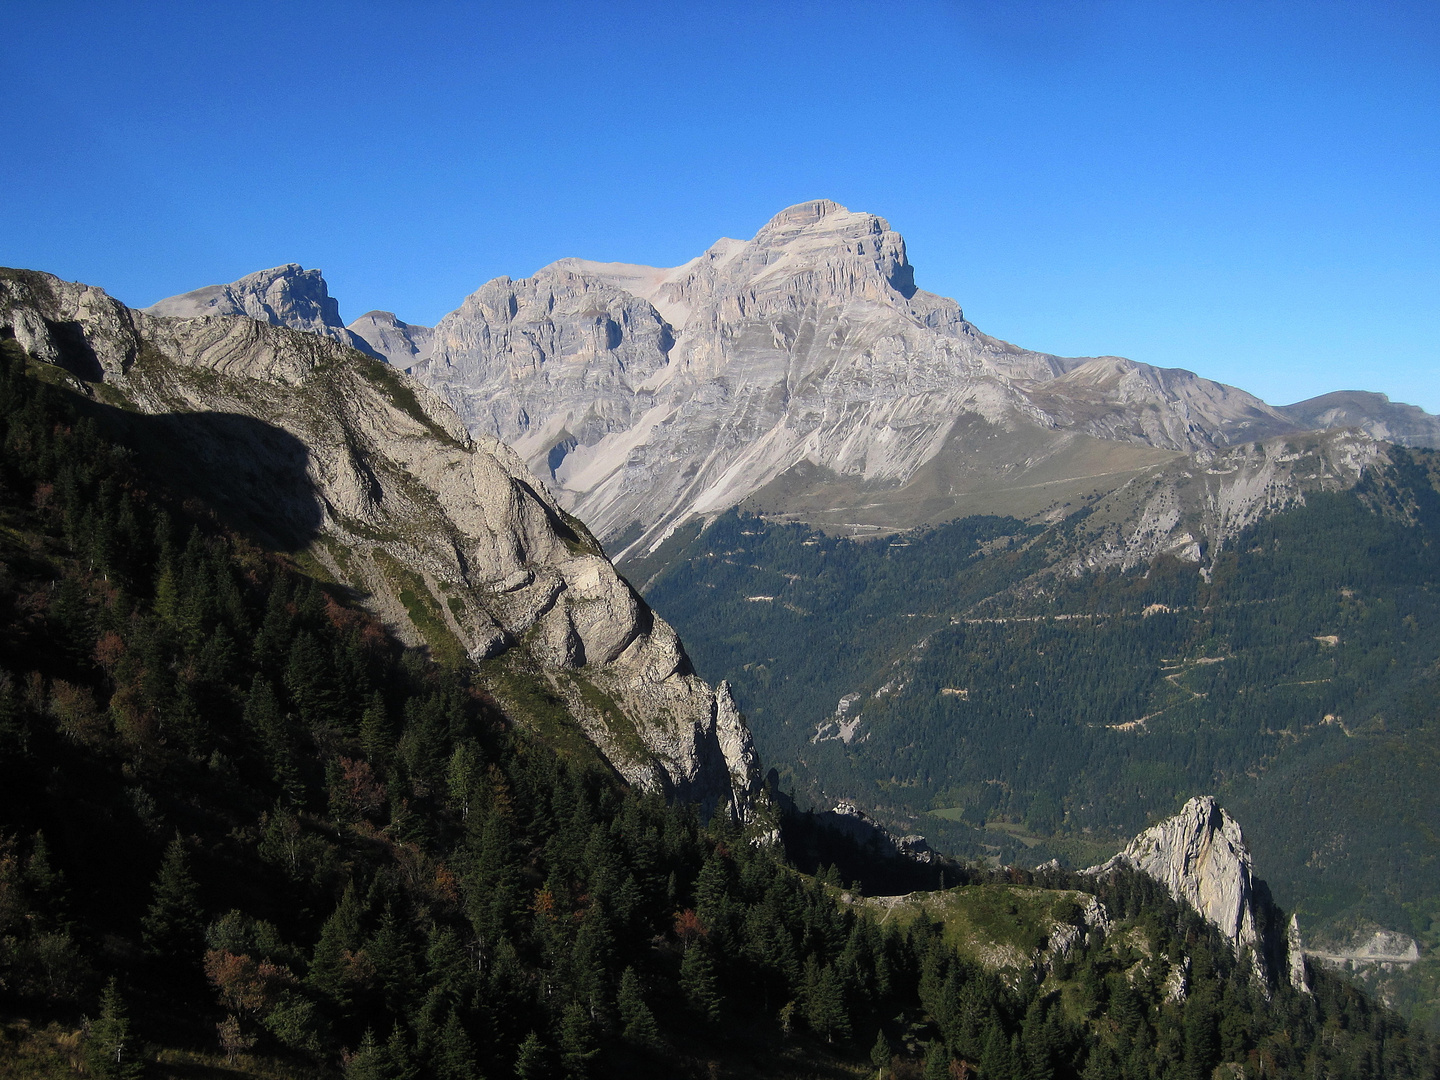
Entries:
{"x":328,"y":453}
{"x":286,"y":295}
{"x":803,"y":373}
{"x":1200,"y":856}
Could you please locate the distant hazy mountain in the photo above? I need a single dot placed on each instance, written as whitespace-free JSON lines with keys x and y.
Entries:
{"x":1374,"y":414}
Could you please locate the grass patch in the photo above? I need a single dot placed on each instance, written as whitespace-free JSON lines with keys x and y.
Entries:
{"x":998,"y":925}
{"x":423,"y":609}
{"x":402,"y":396}
{"x":622,"y":729}
{"x":530,"y":699}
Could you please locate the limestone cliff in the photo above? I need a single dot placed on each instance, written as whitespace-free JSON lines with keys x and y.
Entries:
{"x":803,"y":374}
{"x":286,"y":295}
{"x":1200,"y":857}
{"x":336,"y":456}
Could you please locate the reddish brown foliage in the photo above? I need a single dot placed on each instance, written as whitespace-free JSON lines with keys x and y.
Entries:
{"x":688,"y":926}
{"x":245,"y":985}
{"x":363,"y":793}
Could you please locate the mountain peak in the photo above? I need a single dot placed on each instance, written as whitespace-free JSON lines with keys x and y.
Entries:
{"x":803,"y":214}
{"x":287,"y":295}
{"x":1200,"y":856}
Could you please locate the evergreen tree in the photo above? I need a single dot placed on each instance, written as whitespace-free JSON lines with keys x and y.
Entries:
{"x":825,"y":1006}
{"x":369,"y":1062}
{"x":996,"y":1061}
{"x":108,"y":1050}
{"x":577,"y":1040}
{"x":173,"y":927}
{"x":399,"y":1058}
{"x":340,"y":936}
{"x":267,"y":720}
{"x":881,"y":1054}
{"x":533,"y":1062}
{"x":639,"y":1028}
{"x":937,"y":1061}
{"x":454,"y":1054}
{"x":698,"y":981}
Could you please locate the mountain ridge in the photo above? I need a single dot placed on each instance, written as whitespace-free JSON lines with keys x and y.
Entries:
{"x":375,"y":478}
{"x":803,"y":373}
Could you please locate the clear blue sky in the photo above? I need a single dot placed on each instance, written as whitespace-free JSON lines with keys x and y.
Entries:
{"x":1250,"y":190}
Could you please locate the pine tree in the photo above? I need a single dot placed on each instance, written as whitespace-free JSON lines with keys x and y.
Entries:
{"x":399,"y":1059}
{"x":454,"y":1053}
{"x":174,"y":925}
{"x":577,"y":1040}
{"x":108,"y":1053}
{"x":698,"y":981}
{"x":369,"y":1062}
{"x":937,"y":1061}
{"x":825,"y":1006}
{"x":339,"y":937}
{"x":533,"y":1061}
{"x":377,"y":737}
{"x":463,"y":774}
{"x":996,"y":1061}
{"x":265,"y":718}
{"x":639,"y":1027}
{"x":881,"y":1054}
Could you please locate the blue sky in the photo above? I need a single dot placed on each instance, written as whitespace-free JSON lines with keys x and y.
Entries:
{"x":1249,"y":190}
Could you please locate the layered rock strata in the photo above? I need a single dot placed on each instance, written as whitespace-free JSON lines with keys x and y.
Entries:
{"x":324,"y":451}
{"x":803,"y":374}
{"x":286,"y":295}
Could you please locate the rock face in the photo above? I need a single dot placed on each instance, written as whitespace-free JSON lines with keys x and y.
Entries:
{"x":646,"y":395}
{"x":1295,"y":955}
{"x":322,"y":450}
{"x":803,"y":374}
{"x":849,"y":820}
{"x":1201,"y":858}
{"x":286,"y":295}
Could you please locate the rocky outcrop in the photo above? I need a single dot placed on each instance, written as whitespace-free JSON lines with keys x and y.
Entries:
{"x":324,"y":451}
{"x":1295,"y":956}
{"x":1193,"y":506}
{"x":1384,"y":950}
{"x":849,"y":820}
{"x":286,"y":295}
{"x":1200,"y":857}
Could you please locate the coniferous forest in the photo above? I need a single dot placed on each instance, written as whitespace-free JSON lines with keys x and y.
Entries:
{"x":1009,"y":711}
{"x":244,"y":832}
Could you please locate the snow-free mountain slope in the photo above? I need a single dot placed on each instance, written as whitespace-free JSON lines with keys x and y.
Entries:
{"x":1374,"y":414}
{"x":804,"y":370}
{"x":804,"y":374}
{"x":399,"y":343}
{"x":315,"y":447}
